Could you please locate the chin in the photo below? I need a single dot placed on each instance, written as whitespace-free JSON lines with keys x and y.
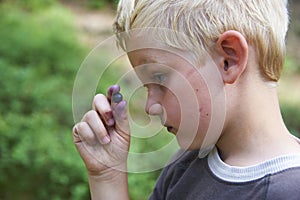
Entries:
{"x":187,"y":144}
{"x":189,"y":141}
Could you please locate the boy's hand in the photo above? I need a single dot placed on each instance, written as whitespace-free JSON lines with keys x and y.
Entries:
{"x":103,"y":136}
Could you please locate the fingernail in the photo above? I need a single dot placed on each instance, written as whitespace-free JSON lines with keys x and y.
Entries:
{"x":122,"y":105}
{"x":105,"y":140}
{"x":114,"y":88}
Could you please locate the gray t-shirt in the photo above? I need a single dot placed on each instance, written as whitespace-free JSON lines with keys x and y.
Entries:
{"x":209,"y":178}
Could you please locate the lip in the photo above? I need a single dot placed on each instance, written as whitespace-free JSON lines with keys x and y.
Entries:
{"x":171,"y":129}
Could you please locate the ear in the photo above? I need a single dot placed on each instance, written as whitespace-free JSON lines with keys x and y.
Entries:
{"x":232,"y":50}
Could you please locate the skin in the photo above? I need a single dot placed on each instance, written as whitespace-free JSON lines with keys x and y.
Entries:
{"x":176,"y":104}
{"x":102,"y":139}
{"x":253,"y":130}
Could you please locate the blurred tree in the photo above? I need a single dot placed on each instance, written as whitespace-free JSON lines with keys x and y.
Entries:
{"x":94,"y":4}
{"x":39,"y":56}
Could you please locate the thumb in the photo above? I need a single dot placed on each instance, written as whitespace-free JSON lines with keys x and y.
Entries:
{"x":121,"y":119}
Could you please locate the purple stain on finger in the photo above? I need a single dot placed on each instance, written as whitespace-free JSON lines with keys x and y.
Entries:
{"x":110,"y":119}
{"x":120,"y":108}
{"x":117,"y":97}
{"x":108,"y":114}
{"x":111,"y":122}
{"x":113,"y":89}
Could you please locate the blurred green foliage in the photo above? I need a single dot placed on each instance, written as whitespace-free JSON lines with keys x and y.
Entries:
{"x":101,"y":3}
{"x":39,"y":56}
{"x":289,"y":95}
{"x":92,"y":4}
{"x":291,"y":116}
{"x":291,"y":66}
{"x":141,"y":185}
{"x":31,"y":5}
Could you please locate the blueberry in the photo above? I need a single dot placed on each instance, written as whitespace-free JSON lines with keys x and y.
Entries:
{"x":117,"y":97}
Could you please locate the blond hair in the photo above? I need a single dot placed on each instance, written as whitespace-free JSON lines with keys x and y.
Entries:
{"x":264,"y":24}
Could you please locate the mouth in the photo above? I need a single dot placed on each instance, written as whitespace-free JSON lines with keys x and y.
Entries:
{"x":171,"y":129}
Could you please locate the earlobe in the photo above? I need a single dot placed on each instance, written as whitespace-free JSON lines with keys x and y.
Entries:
{"x":233,"y":51}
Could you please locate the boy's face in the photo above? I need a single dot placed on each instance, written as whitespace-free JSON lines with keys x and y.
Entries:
{"x":177,"y":93}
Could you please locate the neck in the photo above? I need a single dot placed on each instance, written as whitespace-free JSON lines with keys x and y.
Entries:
{"x":256,"y":131}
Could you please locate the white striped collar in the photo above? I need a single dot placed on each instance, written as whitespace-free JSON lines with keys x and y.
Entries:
{"x":250,"y":173}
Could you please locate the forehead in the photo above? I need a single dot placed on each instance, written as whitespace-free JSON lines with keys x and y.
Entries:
{"x":147,"y":62}
{"x":145,"y":45}
{"x":159,"y":56}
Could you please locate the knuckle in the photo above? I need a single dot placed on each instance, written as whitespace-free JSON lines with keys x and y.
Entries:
{"x":84,"y":131}
{"x":90,"y":115}
{"x":80,"y":126}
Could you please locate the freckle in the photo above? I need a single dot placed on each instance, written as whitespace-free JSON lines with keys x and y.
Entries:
{"x":207,"y":114}
{"x":197,"y":90}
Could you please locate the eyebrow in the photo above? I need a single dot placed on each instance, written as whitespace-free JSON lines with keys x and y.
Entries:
{"x":147,"y":61}
{"x":145,"y":64}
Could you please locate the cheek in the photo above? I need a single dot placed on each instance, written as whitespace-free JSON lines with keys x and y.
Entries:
{"x":195,"y":121}
{"x":189,"y":104}
{"x":204,"y":100}
{"x":205,"y":119}
{"x":172,"y":106}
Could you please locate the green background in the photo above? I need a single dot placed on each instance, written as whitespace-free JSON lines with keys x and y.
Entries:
{"x":40,"y":53}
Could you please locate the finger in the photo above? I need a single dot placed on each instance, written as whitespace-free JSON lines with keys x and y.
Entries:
{"x":111,"y":90}
{"x":102,"y":105}
{"x":75,"y":134}
{"x":85,"y":133}
{"x":114,"y":95}
{"x":121,"y":119}
{"x":96,"y":125}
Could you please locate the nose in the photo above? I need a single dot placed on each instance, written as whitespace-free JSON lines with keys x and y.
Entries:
{"x":153,"y":106}
{"x":154,"y":109}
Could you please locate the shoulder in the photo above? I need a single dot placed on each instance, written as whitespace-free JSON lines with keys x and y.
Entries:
{"x":285,"y":185}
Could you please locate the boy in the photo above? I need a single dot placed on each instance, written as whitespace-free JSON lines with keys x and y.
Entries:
{"x":253,"y":156}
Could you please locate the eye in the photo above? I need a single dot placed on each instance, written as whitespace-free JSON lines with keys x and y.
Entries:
{"x":159,"y":77}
